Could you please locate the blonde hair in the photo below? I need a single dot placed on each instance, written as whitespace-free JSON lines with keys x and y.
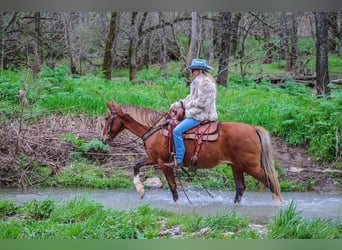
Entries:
{"x":208,"y":74}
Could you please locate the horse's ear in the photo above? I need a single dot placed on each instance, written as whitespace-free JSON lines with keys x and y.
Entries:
{"x":109,"y":105}
{"x":113,"y":102}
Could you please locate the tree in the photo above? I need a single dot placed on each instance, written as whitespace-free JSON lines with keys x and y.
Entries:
{"x":291,"y":56}
{"x":38,"y":51}
{"x":133,"y":47}
{"x":236,"y":17}
{"x":322,"y":73}
{"x":2,"y":40}
{"x":224,"y":48}
{"x":69,"y":40}
{"x":210,"y":37}
{"x":340,"y":33}
{"x":193,"y":51}
{"x":163,"y":49}
{"x":108,"y":58}
{"x":333,"y":31}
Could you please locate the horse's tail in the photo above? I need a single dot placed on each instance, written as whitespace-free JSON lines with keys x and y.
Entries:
{"x":268,"y":164}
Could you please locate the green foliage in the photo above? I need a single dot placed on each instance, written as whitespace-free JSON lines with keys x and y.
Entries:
{"x":83,"y":147}
{"x":287,"y":186}
{"x":84,"y":218}
{"x":38,"y":210}
{"x":76,"y":210}
{"x":7,"y":208}
{"x":10,"y":83}
{"x":289,"y":224}
{"x":73,"y":140}
{"x":83,"y":174}
{"x":94,"y":145}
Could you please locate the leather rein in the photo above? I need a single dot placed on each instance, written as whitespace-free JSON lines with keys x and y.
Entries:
{"x":150,"y":131}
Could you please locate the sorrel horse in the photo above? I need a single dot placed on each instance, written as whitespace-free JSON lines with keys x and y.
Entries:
{"x":244,"y":147}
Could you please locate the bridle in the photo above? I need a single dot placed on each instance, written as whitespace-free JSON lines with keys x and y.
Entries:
{"x":113,"y":115}
{"x":150,"y":131}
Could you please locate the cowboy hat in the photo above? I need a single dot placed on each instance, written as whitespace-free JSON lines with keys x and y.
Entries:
{"x":199,"y":64}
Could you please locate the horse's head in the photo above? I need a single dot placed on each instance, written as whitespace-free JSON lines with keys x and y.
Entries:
{"x":113,"y":124}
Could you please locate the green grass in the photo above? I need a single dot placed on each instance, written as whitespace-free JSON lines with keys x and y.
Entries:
{"x":83,"y":218}
{"x":83,"y":174}
{"x":289,"y":224}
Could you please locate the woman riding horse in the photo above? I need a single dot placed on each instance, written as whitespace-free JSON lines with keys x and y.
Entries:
{"x":199,"y":105}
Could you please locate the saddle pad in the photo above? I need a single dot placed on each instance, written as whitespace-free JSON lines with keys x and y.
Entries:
{"x":209,"y":132}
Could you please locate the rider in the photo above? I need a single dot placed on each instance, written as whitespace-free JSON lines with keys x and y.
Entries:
{"x":199,"y":105}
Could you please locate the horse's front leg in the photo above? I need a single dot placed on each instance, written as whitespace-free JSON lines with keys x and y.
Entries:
{"x":136,"y":179}
{"x":170,"y":178}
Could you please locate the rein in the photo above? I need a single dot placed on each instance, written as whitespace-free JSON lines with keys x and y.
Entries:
{"x":150,"y":131}
{"x":153,"y":129}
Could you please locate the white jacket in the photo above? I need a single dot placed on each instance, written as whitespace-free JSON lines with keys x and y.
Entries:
{"x":200,"y":104}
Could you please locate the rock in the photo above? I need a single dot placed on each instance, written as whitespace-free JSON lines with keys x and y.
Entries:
{"x":154,"y":182}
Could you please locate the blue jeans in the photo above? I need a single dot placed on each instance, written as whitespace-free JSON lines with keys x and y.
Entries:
{"x":178,"y":131}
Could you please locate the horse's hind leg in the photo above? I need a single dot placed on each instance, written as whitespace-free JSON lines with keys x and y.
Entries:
{"x":240,"y":184}
{"x":261,"y":176}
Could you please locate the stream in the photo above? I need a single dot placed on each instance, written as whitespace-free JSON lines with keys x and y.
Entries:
{"x":257,"y":206}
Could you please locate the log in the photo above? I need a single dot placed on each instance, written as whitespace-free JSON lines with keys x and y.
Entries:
{"x":336,"y":81}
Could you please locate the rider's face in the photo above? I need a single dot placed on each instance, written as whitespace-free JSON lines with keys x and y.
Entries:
{"x":195,"y":72}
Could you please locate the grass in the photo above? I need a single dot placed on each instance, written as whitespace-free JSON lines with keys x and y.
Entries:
{"x":83,"y":218}
{"x":289,"y":224}
{"x":85,"y":175}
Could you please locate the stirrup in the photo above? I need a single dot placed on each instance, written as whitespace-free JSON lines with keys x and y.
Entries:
{"x":173,"y":165}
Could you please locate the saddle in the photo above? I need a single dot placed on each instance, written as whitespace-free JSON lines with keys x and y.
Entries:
{"x":206,"y":131}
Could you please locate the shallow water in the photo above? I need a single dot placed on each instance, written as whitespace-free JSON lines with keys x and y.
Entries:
{"x":257,"y":206}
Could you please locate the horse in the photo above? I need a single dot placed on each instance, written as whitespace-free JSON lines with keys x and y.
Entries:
{"x":246,"y":148}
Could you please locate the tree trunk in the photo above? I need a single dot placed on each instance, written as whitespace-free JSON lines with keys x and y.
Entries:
{"x":283,"y":35}
{"x":193,"y":51}
{"x":322,"y":72}
{"x":293,"y":40}
{"x":211,"y":39}
{"x":133,"y":47}
{"x":38,"y":59}
{"x":222,"y":75}
{"x":108,"y":57}
{"x":2,"y":40}
{"x":68,"y":30}
{"x":144,"y":59}
{"x":163,"y":49}
{"x":340,"y":33}
{"x":235,"y":33}
{"x":333,"y":31}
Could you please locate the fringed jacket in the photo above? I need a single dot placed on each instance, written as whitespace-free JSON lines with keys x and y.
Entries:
{"x":200,"y":104}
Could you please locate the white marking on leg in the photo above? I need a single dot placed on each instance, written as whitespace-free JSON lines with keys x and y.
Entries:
{"x":138,"y":185}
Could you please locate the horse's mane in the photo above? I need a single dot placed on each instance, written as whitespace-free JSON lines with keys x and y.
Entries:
{"x":145,"y":116}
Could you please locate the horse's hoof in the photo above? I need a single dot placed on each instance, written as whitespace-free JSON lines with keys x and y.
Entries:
{"x":141,"y":193}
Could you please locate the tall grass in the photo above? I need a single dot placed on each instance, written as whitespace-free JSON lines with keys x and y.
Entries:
{"x":83,"y":218}
{"x":289,"y":224}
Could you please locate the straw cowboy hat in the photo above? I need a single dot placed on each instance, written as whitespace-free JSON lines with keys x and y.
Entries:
{"x":199,"y":64}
